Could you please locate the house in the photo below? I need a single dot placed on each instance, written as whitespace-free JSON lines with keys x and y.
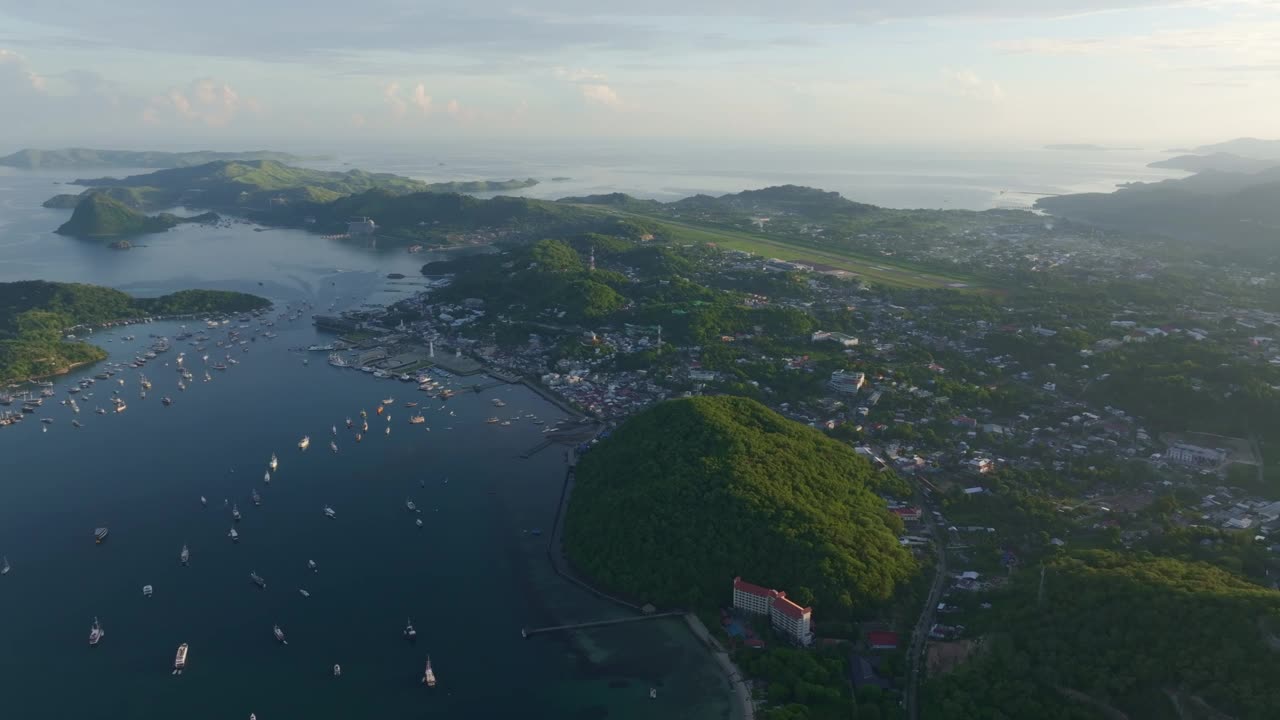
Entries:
{"x":907,"y":513}
{"x":785,"y":615}
{"x":882,"y":640}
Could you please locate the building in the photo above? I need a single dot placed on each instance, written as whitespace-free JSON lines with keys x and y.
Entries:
{"x":835,"y":337}
{"x":786,"y":616}
{"x":882,"y":640}
{"x":1195,"y":455}
{"x":907,"y":513}
{"x":361,"y":227}
{"x":848,"y":383}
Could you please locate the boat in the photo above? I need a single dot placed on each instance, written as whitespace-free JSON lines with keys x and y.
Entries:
{"x":410,"y":505}
{"x":100,"y":535}
{"x":364,"y":414}
{"x":274,"y":462}
{"x":653,"y":693}
{"x":417,"y":420}
{"x":304,"y":443}
{"x":266,"y":477}
{"x":388,"y":430}
{"x":336,"y":360}
{"x":147,"y":590}
{"x":166,"y":400}
{"x":235,"y":513}
{"x":365,"y":427}
{"x":76,"y":423}
{"x":329,"y":512}
{"x":492,"y":421}
{"x":100,"y":411}
{"x":337,"y":670}
{"x":359,"y":437}
{"x":257,"y":580}
{"x":4,"y":569}
{"x":235,"y":536}
{"x":388,"y":401}
{"x":185,"y":555}
{"x":303,"y":593}
{"x":204,"y":502}
{"x":411,"y":404}
{"x":333,"y":429}
{"x":418,"y":522}
{"x":333,"y":446}
{"x":497,"y":402}
{"x":144,"y":382}
{"x":409,"y":632}
{"x":429,"y":677}
{"x":311,"y":565}
{"x":95,"y":633}
{"x":257,"y":499}
{"x":380,"y":410}
{"x":47,"y":421}
{"x":120,"y":406}
{"x":279,"y":635}
{"x":180,"y":660}
{"x":349,"y":423}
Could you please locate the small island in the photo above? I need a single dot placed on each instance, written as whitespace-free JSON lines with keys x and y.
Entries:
{"x":35,"y":316}
{"x":1079,"y":147}
{"x":98,"y":215}
{"x":481,"y":186}
{"x":72,"y":158}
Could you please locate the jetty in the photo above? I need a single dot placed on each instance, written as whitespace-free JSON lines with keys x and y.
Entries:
{"x":527,"y":632}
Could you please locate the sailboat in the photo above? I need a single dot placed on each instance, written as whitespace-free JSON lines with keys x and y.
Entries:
{"x":429,"y":677}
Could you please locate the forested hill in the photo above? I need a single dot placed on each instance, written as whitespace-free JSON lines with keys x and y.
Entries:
{"x":34,"y":315}
{"x":1139,"y":633}
{"x":807,"y":202}
{"x":99,"y":215}
{"x":690,"y":493}
{"x":72,"y":158}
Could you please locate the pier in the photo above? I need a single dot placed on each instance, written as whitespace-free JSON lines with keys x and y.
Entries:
{"x":526,"y":632}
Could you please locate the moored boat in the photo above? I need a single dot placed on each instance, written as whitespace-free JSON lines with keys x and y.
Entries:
{"x":100,"y":535}
{"x":304,"y":443}
{"x":409,"y":632}
{"x":279,"y":635}
{"x":274,"y":462}
{"x":185,"y":555}
{"x":180,"y":660}
{"x":96,"y":633}
{"x":235,"y":536}
{"x":429,"y":676}
{"x":257,"y":580}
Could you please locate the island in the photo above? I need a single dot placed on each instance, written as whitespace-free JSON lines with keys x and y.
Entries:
{"x":1079,"y":147}
{"x":73,"y":158}
{"x":481,"y":186}
{"x":98,"y":215}
{"x":732,"y":488}
{"x":1219,"y":162}
{"x":36,"y":316}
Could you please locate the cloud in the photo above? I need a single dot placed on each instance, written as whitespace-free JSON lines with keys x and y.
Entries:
{"x":397,"y":104}
{"x":16,"y":76}
{"x":205,"y":101}
{"x":577,"y":75}
{"x":968,"y":84}
{"x":421,"y":99}
{"x":453,"y":108}
{"x":1238,"y":38}
{"x":600,"y":94}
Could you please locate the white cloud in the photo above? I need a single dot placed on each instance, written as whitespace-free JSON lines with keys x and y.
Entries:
{"x":453,"y":108}
{"x":205,"y":101}
{"x":578,"y":75}
{"x":391,"y":93}
{"x":421,"y":99}
{"x":969,"y":84}
{"x":600,"y":94}
{"x":1237,"y":38}
{"x":16,"y":75}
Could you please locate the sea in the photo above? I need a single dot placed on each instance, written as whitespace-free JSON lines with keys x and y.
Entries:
{"x":470,"y":579}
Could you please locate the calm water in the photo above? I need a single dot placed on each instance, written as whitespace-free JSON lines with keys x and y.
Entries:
{"x":470,"y":578}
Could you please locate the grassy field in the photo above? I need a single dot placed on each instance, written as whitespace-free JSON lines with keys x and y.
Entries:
{"x":870,"y":269}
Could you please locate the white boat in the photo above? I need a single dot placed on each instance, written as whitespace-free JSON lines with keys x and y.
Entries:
{"x":311,"y":565}
{"x":333,"y":446}
{"x":303,"y":593}
{"x":410,"y":505}
{"x":418,"y":522}
{"x":388,"y":401}
{"x":337,"y":670}
{"x":409,"y":632}
{"x":235,"y":513}
{"x":266,"y":478}
{"x":204,"y":502}
{"x":388,"y":430}
{"x":279,"y":635}
{"x":329,"y":512}
{"x":256,"y":579}
{"x":334,"y":430}
{"x":185,"y":555}
{"x":180,"y":660}
{"x":96,"y":633}
{"x":147,"y":590}
{"x":304,"y":443}
{"x":429,"y":677}
{"x":4,"y":569}
{"x":274,"y":462}
{"x":235,"y":536}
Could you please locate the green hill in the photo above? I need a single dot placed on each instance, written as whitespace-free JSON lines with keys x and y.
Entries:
{"x":692,"y":492}
{"x":34,"y":315}
{"x":70,"y":158}
{"x":1125,"y":630}
{"x":99,"y":215}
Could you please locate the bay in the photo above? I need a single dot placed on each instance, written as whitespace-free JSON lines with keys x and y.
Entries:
{"x":469,"y":579}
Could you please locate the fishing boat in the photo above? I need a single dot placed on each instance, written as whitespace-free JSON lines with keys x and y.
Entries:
{"x":429,"y":677}
{"x":304,"y":443}
{"x":409,"y":632}
{"x":257,"y":499}
{"x":180,"y":660}
{"x":417,"y":420}
{"x":303,"y":593}
{"x":95,"y":633}
{"x":235,"y":536}
{"x":279,"y":635}
{"x":147,"y":590}
{"x":274,"y":462}
{"x":257,"y":580}
{"x":337,"y":670}
{"x":311,"y":565}
{"x":185,"y":555}
{"x":235,"y":513}
{"x":329,"y":512}
{"x":100,"y":535}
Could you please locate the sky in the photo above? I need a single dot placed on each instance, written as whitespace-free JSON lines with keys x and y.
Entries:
{"x":971,"y":73}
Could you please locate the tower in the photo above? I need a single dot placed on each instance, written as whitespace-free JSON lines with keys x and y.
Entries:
{"x":592,"y":263}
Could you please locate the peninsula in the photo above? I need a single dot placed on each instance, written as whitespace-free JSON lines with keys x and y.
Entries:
{"x":98,"y":215}
{"x":35,"y":316}
{"x":73,"y":158}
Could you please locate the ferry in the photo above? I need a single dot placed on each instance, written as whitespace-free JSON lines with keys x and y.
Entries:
{"x":329,"y":512}
{"x":257,"y":580}
{"x":417,"y":420}
{"x":180,"y":660}
{"x":96,"y":633}
{"x":429,"y":677}
{"x":100,"y":535}
{"x":409,"y":632}
{"x":279,"y":635}
{"x":304,"y":443}
{"x":235,"y":536}
{"x":185,"y":555}
{"x":274,"y":462}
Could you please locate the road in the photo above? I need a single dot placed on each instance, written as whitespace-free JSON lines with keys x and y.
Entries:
{"x":921,"y":633}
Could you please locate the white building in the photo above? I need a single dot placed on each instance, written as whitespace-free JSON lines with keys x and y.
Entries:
{"x":785,"y":615}
{"x":835,"y":337}
{"x":1195,"y":455}
{"x":848,"y":383}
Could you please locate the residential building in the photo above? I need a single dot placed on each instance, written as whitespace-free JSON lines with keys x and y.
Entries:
{"x":1195,"y":455}
{"x":848,"y":383}
{"x":786,"y":616}
{"x":882,"y":640}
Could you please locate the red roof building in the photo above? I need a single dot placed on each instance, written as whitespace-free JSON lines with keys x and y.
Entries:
{"x":785,"y":615}
{"x":882,"y":640}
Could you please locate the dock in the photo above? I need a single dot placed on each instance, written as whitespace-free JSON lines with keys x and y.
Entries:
{"x":527,"y":632}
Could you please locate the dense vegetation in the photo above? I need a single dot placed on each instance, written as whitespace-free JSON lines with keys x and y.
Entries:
{"x":35,"y":316}
{"x":67,"y":158}
{"x":692,"y":492}
{"x":480,"y":186}
{"x":99,"y":215}
{"x":1123,"y":630}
